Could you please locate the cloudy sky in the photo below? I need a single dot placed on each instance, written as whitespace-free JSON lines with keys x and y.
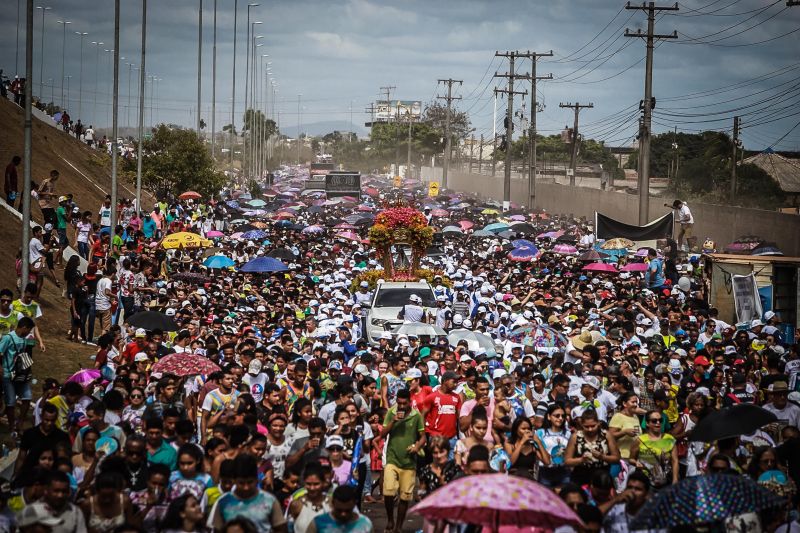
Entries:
{"x":732,"y":57}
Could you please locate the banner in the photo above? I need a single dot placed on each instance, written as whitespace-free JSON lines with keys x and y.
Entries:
{"x":608,"y":228}
{"x":433,"y":189}
{"x":746,"y":298}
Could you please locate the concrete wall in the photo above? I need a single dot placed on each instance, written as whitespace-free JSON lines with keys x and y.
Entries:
{"x":723,"y":224}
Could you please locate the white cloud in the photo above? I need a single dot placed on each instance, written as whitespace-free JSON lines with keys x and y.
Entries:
{"x":334,"y":45}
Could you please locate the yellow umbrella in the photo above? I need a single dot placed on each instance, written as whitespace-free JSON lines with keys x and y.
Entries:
{"x":617,"y":244}
{"x":184,"y":239}
{"x":490,"y":212}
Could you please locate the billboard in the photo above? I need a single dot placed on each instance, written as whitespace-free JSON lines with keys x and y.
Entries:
{"x":343,"y":183}
{"x":397,"y":110}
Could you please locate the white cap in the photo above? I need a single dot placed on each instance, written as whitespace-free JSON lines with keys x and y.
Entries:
{"x":140,"y":333}
{"x":261,"y":309}
{"x":140,"y":357}
{"x":465,"y":358}
{"x":361,"y":369}
{"x":499,"y":373}
{"x":769,"y":315}
{"x":364,"y":284}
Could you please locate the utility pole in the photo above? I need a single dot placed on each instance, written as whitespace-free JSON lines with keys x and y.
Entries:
{"x":480,"y":157}
{"x":737,"y":127}
{"x":449,"y":98}
{"x":471,"y":152}
{"x":142,"y":74}
{"x":644,"y":141}
{"x":233,"y":85}
{"x":80,"y":34}
{"x":494,"y":152}
{"x":534,"y":57}
{"x":511,"y":75}
{"x":199,"y":62}
{"x":408,"y":151}
{"x":63,"y":58}
{"x":388,"y":91}
{"x":115,"y":124}
{"x":299,"y":99}
{"x":577,"y":106}
{"x":28,"y":150}
{"x":214,"y":84}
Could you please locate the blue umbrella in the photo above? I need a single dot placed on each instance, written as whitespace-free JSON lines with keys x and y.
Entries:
{"x":523,"y":253}
{"x":283,"y":224}
{"x":264,"y":264}
{"x":219,"y":261}
{"x":233,"y":204}
{"x":522,"y":242}
{"x":254,"y":234}
{"x":497,"y":227}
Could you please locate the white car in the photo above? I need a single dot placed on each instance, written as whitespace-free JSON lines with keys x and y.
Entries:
{"x":389,"y":299}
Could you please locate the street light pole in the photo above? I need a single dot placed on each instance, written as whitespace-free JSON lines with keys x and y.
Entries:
{"x":199,"y":62}
{"x":80,"y":73}
{"x":115,"y":123}
{"x":214,"y":85}
{"x":97,"y":46}
{"x":233,"y":83}
{"x":63,"y":57}
{"x":128,"y":107}
{"x":68,"y":78}
{"x":299,"y":122}
{"x":26,"y":167}
{"x":142,"y":74}
{"x":41,"y":58}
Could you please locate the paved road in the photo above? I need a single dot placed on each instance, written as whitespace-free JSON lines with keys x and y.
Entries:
{"x":377,"y":513}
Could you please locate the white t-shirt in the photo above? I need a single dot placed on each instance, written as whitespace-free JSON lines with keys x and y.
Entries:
{"x":790,"y":414}
{"x":36,"y":249}
{"x":105,"y":215}
{"x":684,"y":215}
{"x":101,"y":301}
{"x":84,"y":229}
{"x":256,"y":385}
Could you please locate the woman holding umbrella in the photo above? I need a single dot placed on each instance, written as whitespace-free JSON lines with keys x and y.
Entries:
{"x":656,"y":452}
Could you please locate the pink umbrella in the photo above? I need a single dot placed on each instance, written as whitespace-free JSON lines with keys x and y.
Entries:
{"x":466,"y":224}
{"x":565,"y":249}
{"x":348,"y":235}
{"x":440,"y":213}
{"x":634,"y":267}
{"x":496,"y":500}
{"x":214,"y":234}
{"x":600,"y":267}
{"x":364,"y":208}
{"x":520,"y":218}
{"x":344,"y":225}
{"x":237,"y":235}
{"x":85,"y":376}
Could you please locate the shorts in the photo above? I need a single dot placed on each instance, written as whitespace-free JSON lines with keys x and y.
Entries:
{"x":398,"y":480}
{"x":13,"y":391}
{"x":686,"y":231}
{"x":62,"y":237}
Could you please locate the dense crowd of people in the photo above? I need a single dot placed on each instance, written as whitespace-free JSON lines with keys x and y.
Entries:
{"x":259,"y":404}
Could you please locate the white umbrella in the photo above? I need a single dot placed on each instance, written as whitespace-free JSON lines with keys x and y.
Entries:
{"x":418,"y":329}
{"x":475,"y":340}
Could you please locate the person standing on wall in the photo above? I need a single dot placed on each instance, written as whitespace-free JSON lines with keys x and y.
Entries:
{"x":686,"y":220}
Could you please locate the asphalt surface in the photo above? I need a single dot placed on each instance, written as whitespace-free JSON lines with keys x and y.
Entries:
{"x":377,"y":513}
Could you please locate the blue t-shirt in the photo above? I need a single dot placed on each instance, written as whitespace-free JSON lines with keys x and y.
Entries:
{"x":149,"y":227}
{"x":325,"y":523}
{"x":655,"y":273}
{"x":262,"y":510}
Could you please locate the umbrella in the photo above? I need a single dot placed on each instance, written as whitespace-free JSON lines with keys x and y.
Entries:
{"x":740,"y":419}
{"x":700,"y":500}
{"x":184,"y":239}
{"x":520,"y":218}
{"x":592,"y":256}
{"x":490,"y":212}
{"x":617,"y":244}
{"x":440,"y":213}
{"x":190,"y":195}
{"x":507,"y":234}
{"x":254,"y":234}
{"x":214,"y":234}
{"x":219,"y":261}
{"x":185,"y":364}
{"x":466,"y":224}
{"x":565,"y":249}
{"x":419,"y":328}
{"x":600,"y":267}
{"x":540,"y":337}
{"x":482,"y":234}
{"x":151,"y":320}
{"x":523,"y":254}
{"x":282,"y":253}
{"x":475,"y":340}
{"x":634,"y":267}
{"x":767,"y":250}
{"x":494,"y":500}
{"x":497,"y":227}
{"x":522,"y":242}
{"x":85,"y":376}
{"x":348,"y":235}
{"x":261,"y":265}
{"x":344,"y":225}
{"x":313,"y":229}
{"x":523,"y":228}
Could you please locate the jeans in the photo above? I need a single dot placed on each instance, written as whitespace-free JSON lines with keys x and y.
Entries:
{"x":126,"y":304}
{"x":83,"y":250}
{"x":87,"y":317}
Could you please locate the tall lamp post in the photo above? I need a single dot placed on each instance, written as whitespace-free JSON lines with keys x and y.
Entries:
{"x":140,"y":135}
{"x":41,"y":52}
{"x":80,"y":74}
{"x":63,"y":56}
{"x":97,"y":46}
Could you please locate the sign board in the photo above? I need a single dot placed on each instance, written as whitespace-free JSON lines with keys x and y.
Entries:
{"x":570,"y":172}
{"x":398,"y":182}
{"x":433,"y":189}
{"x":400,"y":110}
{"x":746,"y":298}
{"x":343,"y":183}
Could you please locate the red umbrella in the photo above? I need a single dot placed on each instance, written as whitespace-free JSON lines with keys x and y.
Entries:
{"x":190,"y":195}
{"x":344,"y":225}
{"x":634,"y":267}
{"x":600,"y":267}
{"x":466,"y":224}
{"x":348,"y":235}
{"x":185,"y":364}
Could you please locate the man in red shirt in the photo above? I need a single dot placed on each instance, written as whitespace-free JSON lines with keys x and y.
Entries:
{"x":11,"y":187}
{"x":139,"y":344}
{"x":441,"y":407}
{"x":418,"y":392}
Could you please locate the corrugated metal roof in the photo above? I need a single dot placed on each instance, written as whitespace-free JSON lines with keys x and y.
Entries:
{"x":785,"y":171}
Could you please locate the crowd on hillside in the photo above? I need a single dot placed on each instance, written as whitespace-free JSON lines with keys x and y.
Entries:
{"x":255,"y":402}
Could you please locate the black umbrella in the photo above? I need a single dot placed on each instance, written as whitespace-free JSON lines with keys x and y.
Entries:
{"x":523,"y":228}
{"x":733,"y":421}
{"x":507,"y":234}
{"x":151,"y":320}
{"x":282,"y":253}
{"x":567,"y":239}
{"x":244,"y":228}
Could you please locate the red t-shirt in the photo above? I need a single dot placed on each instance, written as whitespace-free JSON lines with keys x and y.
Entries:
{"x":418,"y":399}
{"x":130,"y":351}
{"x":442,"y":416}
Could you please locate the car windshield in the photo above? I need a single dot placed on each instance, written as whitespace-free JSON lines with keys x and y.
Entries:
{"x":398,"y":297}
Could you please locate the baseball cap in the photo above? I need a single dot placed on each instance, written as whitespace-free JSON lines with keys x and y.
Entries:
{"x":413,"y":373}
{"x":334,"y":440}
{"x":361,"y":369}
{"x":140,"y":333}
{"x":254,"y":367}
{"x":140,"y":357}
{"x":335,"y":365}
{"x":592,"y":381}
{"x":701,"y":361}
{"x":465,"y":358}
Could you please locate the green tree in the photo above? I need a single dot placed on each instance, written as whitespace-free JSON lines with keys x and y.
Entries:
{"x":175,"y":161}
{"x":435,"y":114}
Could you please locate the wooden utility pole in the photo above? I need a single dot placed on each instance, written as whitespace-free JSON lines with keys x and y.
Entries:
{"x":647,"y":105}
{"x":573,"y":162}
{"x":511,"y":75}
{"x":480,"y":157}
{"x":533,"y":56}
{"x":471,"y":152}
{"x":737,"y":125}
{"x":449,"y":98}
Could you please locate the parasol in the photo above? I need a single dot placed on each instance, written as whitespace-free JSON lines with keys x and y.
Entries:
{"x":600,"y":267}
{"x":260,"y":265}
{"x":538,"y":336}
{"x":475,"y":340}
{"x":85,"y":376}
{"x":617,"y":244}
{"x":565,"y":249}
{"x":592,"y":256}
{"x":185,"y":364}
{"x":151,"y":320}
{"x":219,"y":261}
{"x":634,"y":267}
{"x":190,"y":195}
{"x":740,"y":419}
{"x":420,"y":328}
{"x":184,"y":239}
